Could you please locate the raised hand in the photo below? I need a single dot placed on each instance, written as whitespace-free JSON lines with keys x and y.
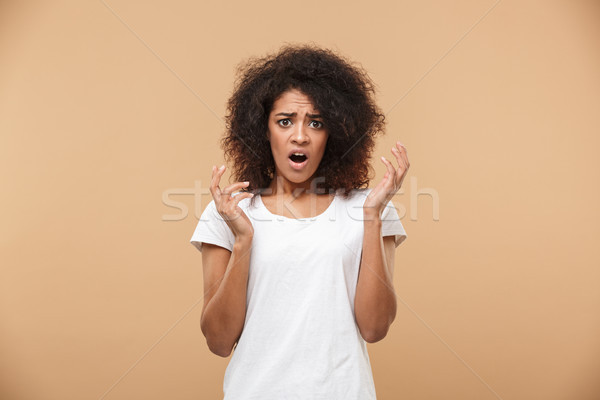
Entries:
{"x":381,"y":194}
{"x":227,"y":205}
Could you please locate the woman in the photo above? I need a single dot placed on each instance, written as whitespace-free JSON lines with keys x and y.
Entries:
{"x":298,"y":263}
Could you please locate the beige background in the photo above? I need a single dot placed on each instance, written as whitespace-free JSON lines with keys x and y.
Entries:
{"x":111,"y":111}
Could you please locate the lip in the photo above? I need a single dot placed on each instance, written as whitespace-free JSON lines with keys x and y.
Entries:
{"x":298,"y":166}
{"x":299,"y":150}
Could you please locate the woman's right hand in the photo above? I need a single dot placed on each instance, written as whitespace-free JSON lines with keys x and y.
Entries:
{"x":227,"y":205}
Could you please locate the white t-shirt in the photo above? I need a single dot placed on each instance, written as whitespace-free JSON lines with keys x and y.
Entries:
{"x":300,"y":339}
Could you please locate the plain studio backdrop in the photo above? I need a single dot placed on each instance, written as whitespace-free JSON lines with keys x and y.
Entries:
{"x":110,"y":116}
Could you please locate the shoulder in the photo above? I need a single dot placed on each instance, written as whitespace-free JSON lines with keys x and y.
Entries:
{"x":356,"y":196}
{"x":354,"y":202}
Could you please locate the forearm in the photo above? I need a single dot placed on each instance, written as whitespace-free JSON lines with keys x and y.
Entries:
{"x":375,"y":299}
{"x":224,"y":316}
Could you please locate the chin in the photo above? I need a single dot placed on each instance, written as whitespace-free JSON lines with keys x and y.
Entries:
{"x":296,"y":177}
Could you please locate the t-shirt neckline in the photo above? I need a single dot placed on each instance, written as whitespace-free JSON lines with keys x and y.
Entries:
{"x":306,"y":219}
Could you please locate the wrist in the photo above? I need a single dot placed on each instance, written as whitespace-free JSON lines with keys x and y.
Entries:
{"x":243,"y":241}
{"x":371,"y":218}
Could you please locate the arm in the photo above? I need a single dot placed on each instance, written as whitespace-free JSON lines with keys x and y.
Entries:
{"x":225,"y":282}
{"x":375,"y":299}
{"x":226,"y":272}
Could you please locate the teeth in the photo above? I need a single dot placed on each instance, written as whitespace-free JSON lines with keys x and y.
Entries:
{"x":298,"y":154}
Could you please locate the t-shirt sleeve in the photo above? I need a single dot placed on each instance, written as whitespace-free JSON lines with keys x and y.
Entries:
{"x":213,"y":229}
{"x":391,"y":225}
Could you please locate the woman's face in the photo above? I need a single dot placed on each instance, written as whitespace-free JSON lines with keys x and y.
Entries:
{"x":296,"y":127}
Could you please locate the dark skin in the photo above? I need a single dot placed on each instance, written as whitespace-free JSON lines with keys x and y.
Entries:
{"x":294,"y":124}
{"x":226,"y":273}
{"x":375,"y":299}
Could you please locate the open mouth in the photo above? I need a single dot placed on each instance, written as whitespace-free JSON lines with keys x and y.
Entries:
{"x":298,"y":158}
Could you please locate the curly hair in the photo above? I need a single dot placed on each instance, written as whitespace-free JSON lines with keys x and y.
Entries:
{"x":341,"y":91}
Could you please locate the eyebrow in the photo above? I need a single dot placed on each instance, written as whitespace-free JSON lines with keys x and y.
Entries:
{"x":294,"y":114}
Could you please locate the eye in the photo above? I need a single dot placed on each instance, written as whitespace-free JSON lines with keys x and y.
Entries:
{"x":286,"y":119}
{"x":318,"y":122}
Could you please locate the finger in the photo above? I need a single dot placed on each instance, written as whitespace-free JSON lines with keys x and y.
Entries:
{"x":391,"y":171}
{"x":212,"y":180}
{"x":400,"y":151}
{"x":390,"y":168}
{"x":232,"y":206}
{"x":401,"y":147}
{"x":404,"y":154}
{"x":403,"y":165}
{"x":239,"y":197}
{"x":232,"y":188}
{"x":398,"y":155}
{"x":218,"y":176}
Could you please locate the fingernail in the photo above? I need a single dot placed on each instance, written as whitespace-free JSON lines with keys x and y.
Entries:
{"x":246,"y":182}
{"x":222,"y":166}
{"x":383,"y":158}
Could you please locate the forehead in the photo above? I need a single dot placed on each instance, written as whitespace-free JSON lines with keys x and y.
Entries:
{"x":291,"y":99}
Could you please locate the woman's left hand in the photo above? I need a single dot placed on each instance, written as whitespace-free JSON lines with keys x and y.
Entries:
{"x":381,"y":194}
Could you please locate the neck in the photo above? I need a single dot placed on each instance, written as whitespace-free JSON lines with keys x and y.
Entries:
{"x":282,"y":187}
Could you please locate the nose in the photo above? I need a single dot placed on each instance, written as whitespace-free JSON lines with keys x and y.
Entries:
{"x":299,"y":135}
